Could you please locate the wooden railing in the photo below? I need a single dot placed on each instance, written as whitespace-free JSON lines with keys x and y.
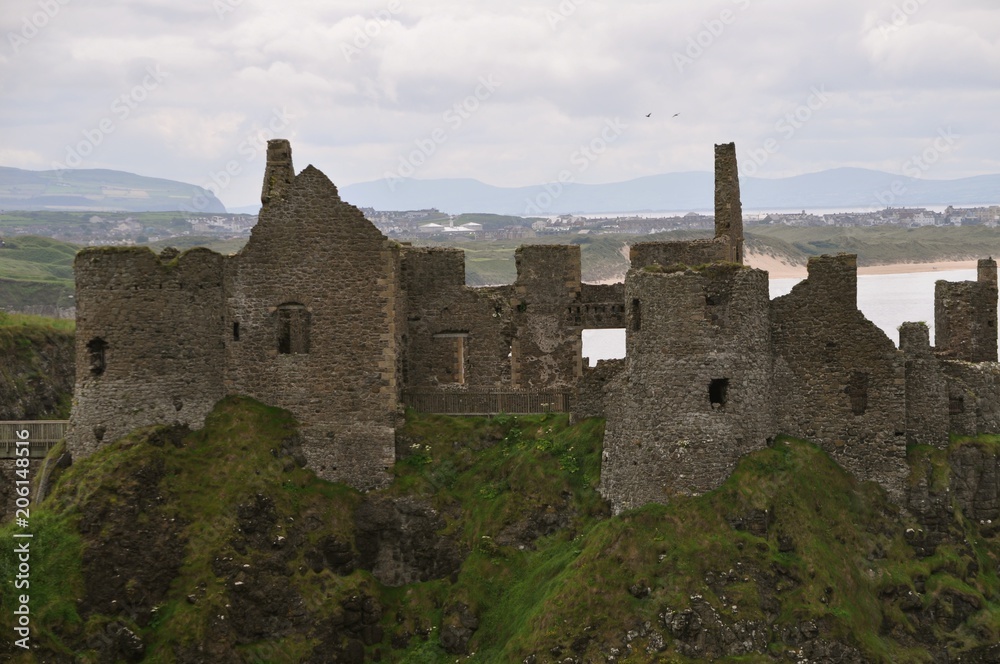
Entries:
{"x":42,"y":436}
{"x":487,"y":402}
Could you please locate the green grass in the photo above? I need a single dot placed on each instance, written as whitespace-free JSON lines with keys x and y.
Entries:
{"x":37,"y":322}
{"x":54,"y":577}
{"x":36,"y":271}
{"x":831,"y":552}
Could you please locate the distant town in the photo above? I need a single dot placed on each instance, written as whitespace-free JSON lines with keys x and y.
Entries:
{"x":431,"y":222}
{"x":130,"y":228}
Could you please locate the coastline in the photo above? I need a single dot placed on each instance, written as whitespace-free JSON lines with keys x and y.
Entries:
{"x":778,"y":269}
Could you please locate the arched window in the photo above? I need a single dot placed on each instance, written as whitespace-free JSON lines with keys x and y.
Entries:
{"x":292,"y":328}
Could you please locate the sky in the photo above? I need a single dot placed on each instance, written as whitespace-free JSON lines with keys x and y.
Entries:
{"x":507,"y":92}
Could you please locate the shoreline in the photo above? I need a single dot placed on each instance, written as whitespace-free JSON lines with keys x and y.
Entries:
{"x":778,"y":269}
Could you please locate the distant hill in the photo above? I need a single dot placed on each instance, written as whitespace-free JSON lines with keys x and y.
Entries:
{"x":100,"y":189}
{"x":835,"y":188}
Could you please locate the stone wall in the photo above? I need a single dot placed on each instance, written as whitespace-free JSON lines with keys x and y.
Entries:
{"x":669,"y":254}
{"x":973,"y":397}
{"x":695,"y":393}
{"x":312,"y":307}
{"x":322,"y":315}
{"x":149,"y":341}
{"x":546,"y":352}
{"x":839,"y":379}
{"x":592,"y":389}
{"x":600,"y":306}
{"x":965,"y":316}
{"x":926,"y":388}
{"x":456,"y":336}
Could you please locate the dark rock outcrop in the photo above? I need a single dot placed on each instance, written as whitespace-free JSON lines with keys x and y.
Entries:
{"x":398,"y":541}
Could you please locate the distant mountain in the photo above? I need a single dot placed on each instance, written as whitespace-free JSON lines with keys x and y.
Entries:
{"x":836,"y":188}
{"x":100,"y":189}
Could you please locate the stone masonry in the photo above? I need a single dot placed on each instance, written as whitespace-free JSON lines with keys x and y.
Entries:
{"x":322,"y":315}
{"x":695,"y":392}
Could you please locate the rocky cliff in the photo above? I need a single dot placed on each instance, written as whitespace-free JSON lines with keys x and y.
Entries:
{"x":492,"y":545}
{"x":36,"y":371}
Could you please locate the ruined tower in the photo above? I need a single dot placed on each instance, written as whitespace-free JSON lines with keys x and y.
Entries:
{"x":278,"y":172}
{"x":313,"y":308}
{"x":839,"y":380}
{"x":927,"y":406}
{"x":547,"y":346}
{"x":728,"y":208}
{"x":149,"y":335}
{"x":695,"y":392}
{"x":965,"y":316}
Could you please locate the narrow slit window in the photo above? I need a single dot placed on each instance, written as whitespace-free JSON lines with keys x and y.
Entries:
{"x":236,"y":330}
{"x":636,"y":315}
{"x":293,"y":329}
{"x":857,"y":390}
{"x":718,"y":392}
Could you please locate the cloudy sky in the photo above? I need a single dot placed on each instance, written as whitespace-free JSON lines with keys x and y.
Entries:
{"x":504,"y":91}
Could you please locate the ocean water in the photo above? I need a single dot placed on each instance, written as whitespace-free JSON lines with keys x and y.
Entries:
{"x":888,"y":300}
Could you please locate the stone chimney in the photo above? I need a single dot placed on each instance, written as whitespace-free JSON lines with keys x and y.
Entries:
{"x":728,"y":209}
{"x":279,"y":172}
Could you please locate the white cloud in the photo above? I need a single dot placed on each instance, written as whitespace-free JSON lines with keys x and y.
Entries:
{"x":364,"y":82}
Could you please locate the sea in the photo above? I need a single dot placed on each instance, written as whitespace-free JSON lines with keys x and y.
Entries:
{"x":888,"y":300}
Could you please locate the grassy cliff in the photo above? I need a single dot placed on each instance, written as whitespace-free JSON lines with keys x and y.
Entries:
{"x":36,"y":271}
{"x":37,"y":367}
{"x":493,"y":545}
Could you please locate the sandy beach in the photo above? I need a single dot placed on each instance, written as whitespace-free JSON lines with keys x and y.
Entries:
{"x":778,"y":269}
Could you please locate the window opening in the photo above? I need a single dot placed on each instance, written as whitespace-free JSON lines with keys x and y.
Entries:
{"x":97,"y":348}
{"x":718,"y":392}
{"x":453,"y":359}
{"x":603,"y":344}
{"x":293,"y":329}
{"x":857,"y":390}
{"x":956,"y":406}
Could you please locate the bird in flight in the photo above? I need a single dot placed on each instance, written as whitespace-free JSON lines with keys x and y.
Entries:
{"x":648,"y":114}
{"x":675,"y":115}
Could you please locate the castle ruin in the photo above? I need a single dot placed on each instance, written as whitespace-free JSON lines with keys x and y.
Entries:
{"x":322,"y":315}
